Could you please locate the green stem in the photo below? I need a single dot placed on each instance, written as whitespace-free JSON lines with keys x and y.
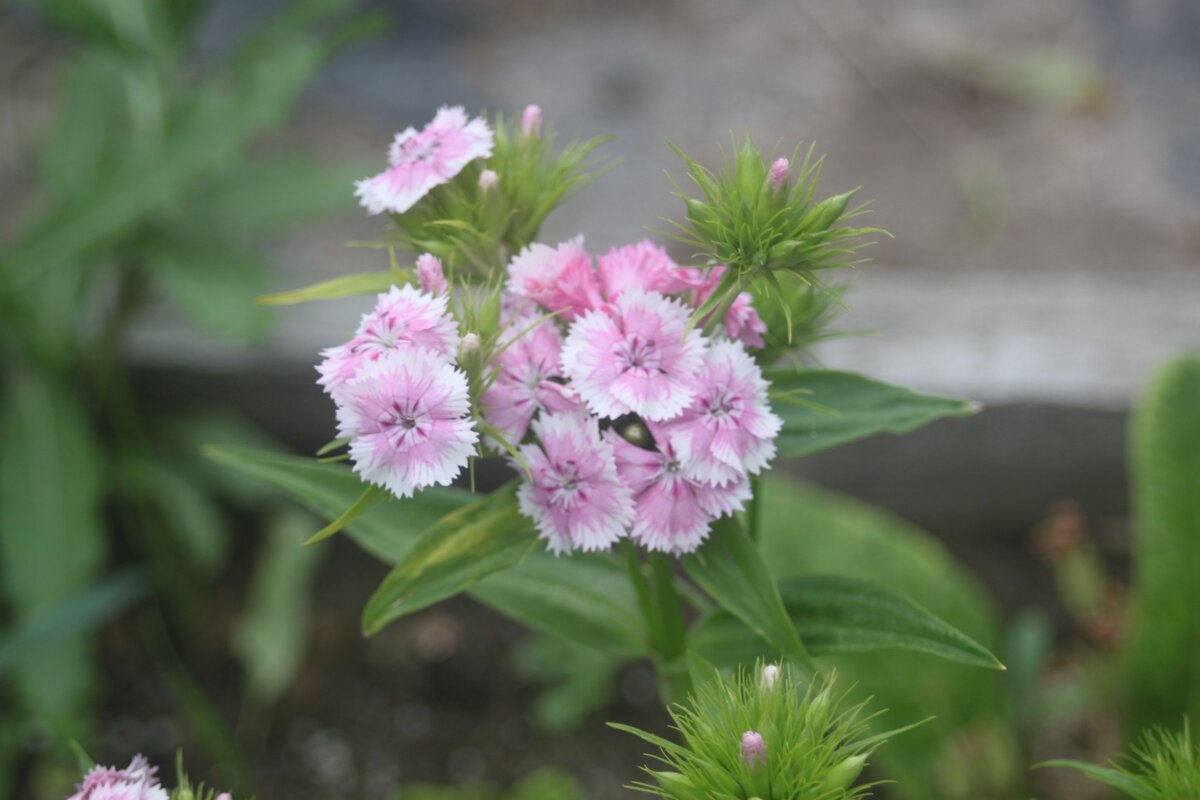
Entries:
{"x":642,"y":590}
{"x":672,"y":645}
{"x":752,"y":512}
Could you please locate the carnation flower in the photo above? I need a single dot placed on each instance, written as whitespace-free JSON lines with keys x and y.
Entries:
{"x":574,"y":495}
{"x":403,"y":318}
{"x":557,"y":278}
{"x":729,"y":429}
{"x":634,"y":357}
{"x":525,"y":381}
{"x":673,"y":513}
{"x":431,"y":275}
{"x":138,"y":781}
{"x":417,"y":162}
{"x":406,"y":418}
{"x":643,"y":265}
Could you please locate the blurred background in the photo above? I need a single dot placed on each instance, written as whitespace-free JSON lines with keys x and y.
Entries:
{"x":1036,"y":161}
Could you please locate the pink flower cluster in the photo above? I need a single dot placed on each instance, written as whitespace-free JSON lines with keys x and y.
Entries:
{"x":624,"y":419}
{"x":401,"y":402}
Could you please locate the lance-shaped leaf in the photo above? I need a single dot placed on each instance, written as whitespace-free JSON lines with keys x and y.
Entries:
{"x":836,"y":615}
{"x":731,"y":570}
{"x":345,"y":286}
{"x":460,"y":549}
{"x":824,"y":408}
{"x":585,"y":598}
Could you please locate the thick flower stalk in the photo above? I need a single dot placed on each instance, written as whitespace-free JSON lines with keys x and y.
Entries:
{"x":763,"y":734}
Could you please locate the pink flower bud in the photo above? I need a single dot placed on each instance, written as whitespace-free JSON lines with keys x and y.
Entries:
{"x":531,"y":121}
{"x":468,"y":345}
{"x":430,"y":274}
{"x":780,"y":171}
{"x":224,"y":796}
{"x":754,"y":749}
{"x":488,"y":180}
{"x":770,"y":674}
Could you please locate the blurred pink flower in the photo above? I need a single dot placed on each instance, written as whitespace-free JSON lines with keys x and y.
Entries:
{"x":729,"y":430}
{"x":431,"y":275}
{"x":135,"y":782}
{"x":525,"y":382}
{"x":673,"y":513}
{"x":557,"y":278}
{"x":417,"y":162}
{"x":574,"y":496}
{"x":644,"y":266}
{"x":780,"y":170}
{"x":404,"y":317}
{"x":634,"y":357}
{"x":406,"y":418}
{"x":488,"y":180}
{"x":531,"y":121}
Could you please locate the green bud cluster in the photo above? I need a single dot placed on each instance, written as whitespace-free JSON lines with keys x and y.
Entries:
{"x":475,"y":225}
{"x":1163,"y":765}
{"x":763,"y":226}
{"x":815,"y":747}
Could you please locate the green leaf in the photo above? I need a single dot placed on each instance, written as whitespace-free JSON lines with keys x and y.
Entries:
{"x":1164,"y":654}
{"x":272,"y":636}
{"x":214,"y":284}
{"x":192,"y":517}
{"x":387,"y":530}
{"x":52,"y":537}
{"x":731,"y":570}
{"x":840,"y":407}
{"x":1114,"y":778}
{"x":463,"y":547}
{"x":80,"y":615}
{"x":369,"y":497}
{"x":585,"y":598}
{"x":836,"y":615}
{"x":345,"y":286}
{"x":87,"y":122}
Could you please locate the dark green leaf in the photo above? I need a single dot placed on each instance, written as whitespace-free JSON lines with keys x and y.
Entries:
{"x":272,"y":635}
{"x":463,"y":547}
{"x":277,"y":191}
{"x":214,"y":284}
{"x":52,"y":538}
{"x":1114,"y":778}
{"x":836,"y":615}
{"x":387,"y":530}
{"x":1165,"y":464}
{"x":730,"y":569}
{"x":82,"y":614}
{"x":822,"y":408}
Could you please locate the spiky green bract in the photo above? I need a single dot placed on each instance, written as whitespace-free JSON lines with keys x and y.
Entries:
{"x":815,"y":748}
{"x":185,"y":790}
{"x":475,"y":229}
{"x":760,"y":229}
{"x":1163,"y":765}
{"x":798,"y":313}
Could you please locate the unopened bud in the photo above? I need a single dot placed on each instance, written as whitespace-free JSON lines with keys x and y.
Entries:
{"x":531,"y":121}
{"x":468,"y":345}
{"x":431,"y":275}
{"x":676,"y":785}
{"x":770,"y":674}
{"x":780,"y":170}
{"x":488,"y":180}
{"x":844,"y":774}
{"x":224,"y":796}
{"x":754,"y":749}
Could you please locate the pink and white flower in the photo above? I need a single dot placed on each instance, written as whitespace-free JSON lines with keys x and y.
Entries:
{"x":634,"y":357}
{"x":431,"y":275}
{"x":729,"y":429}
{"x":673,"y":513}
{"x":556,"y":278}
{"x":526,"y":379}
{"x":531,"y":121}
{"x":404,"y":317}
{"x":138,"y":781}
{"x":574,"y":496}
{"x":406,"y":418}
{"x":643,"y":265}
{"x":419,"y":161}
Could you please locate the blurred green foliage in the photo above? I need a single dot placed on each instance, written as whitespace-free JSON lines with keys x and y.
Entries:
{"x":151,"y":183}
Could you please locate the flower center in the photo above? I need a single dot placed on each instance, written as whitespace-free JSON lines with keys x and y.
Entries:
{"x":639,"y":353}
{"x":567,"y":488}
{"x":404,"y":421}
{"x":723,"y":404}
